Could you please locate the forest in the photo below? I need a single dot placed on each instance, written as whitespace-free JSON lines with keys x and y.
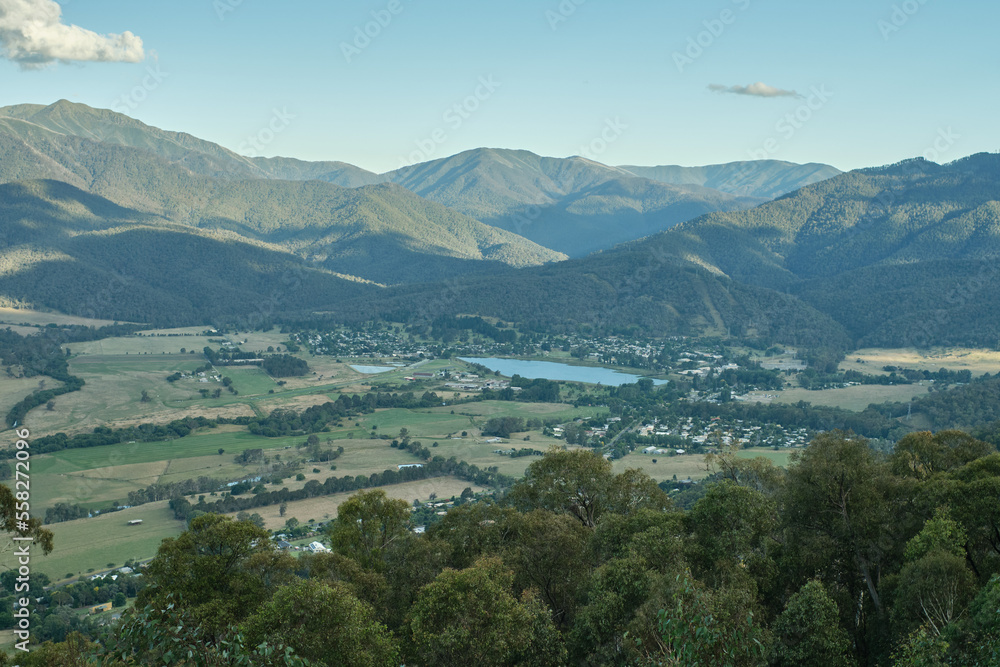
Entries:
{"x":848,"y":557}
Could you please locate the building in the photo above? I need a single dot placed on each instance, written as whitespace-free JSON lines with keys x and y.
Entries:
{"x":98,"y":608}
{"x":135,"y":522}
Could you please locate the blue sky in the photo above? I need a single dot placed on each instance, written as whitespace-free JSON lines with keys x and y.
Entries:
{"x":622,"y":82}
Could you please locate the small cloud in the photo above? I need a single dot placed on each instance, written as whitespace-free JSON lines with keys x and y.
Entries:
{"x":754,"y":90}
{"x":33,"y":35}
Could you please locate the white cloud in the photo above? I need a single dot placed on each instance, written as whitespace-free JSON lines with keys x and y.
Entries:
{"x":32,"y":34}
{"x":754,"y":90}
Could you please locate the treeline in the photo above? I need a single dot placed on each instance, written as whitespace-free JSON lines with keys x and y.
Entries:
{"x":965,"y":406}
{"x":42,"y":354}
{"x":285,"y":365}
{"x":433,"y":467}
{"x":103,"y":435}
{"x":448,"y":328}
{"x":315,"y":419}
{"x":848,"y":557}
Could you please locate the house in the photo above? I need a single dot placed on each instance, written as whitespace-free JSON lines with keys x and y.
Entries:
{"x":317,"y":548}
{"x":134,"y":522}
{"x":98,"y":608}
{"x":283,"y":544}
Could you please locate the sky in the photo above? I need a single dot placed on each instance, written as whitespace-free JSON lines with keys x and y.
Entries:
{"x":386,"y":83}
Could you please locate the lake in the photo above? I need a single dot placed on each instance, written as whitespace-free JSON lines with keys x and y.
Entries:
{"x":553,"y":370}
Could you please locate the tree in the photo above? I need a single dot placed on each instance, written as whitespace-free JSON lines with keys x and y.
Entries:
{"x":283,"y":509}
{"x":367,"y":523}
{"x":837,"y":509}
{"x":808,"y":631}
{"x":219,"y":569}
{"x":323,"y":622}
{"x":582,"y":483}
{"x":144,"y":398}
{"x":470,"y":617}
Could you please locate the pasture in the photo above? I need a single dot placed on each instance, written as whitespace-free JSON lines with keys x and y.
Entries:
{"x":978,"y":361}
{"x":249,"y":380}
{"x":90,"y":544}
{"x":37,"y":318}
{"x":325,"y":508}
{"x":855,"y":398}
{"x":691,"y":466}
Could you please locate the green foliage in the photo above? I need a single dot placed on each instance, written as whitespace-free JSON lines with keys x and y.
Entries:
{"x":471,"y":617}
{"x":324,"y":623}
{"x":581,"y":483}
{"x":222,"y":569}
{"x":366,"y":525}
{"x":808,"y":631}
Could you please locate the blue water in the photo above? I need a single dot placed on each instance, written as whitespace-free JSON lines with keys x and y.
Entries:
{"x":553,"y":370}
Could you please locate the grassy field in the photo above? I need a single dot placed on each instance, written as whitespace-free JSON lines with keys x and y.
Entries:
{"x":250,"y":380}
{"x":691,"y":465}
{"x":849,"y":398}
{"x":853,"y":398}
{"x":325,"y":508}
{"x":684,"y":466}
{"x":114,"y":385}
{"x":978,"y":361}
{"x":90,"y":544}
{"x":38,"y":318}
{"x":13,"y":390}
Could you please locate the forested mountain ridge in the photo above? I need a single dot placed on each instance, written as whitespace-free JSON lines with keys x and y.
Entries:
{"x":180,"y":148}
{"x":899,"y":255}
{"x":381,"y":232}
{"x":573,"y":205}
{"x":77,"y":253}
{"x":765,"y":179}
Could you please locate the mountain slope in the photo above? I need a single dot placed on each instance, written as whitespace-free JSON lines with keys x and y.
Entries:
{"x":382,"y":233}
{"x":900,"y":255}
{"x":77,"y":253}
{"x":573,"y":205}
{"x":765,"y":179}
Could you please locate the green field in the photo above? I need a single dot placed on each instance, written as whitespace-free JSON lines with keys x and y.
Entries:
{"x":249,"y":380}
{"x":114,"y":385}
{"x":87,"y":544}
{"x":691,"y":465}
{"x":853,"y":398}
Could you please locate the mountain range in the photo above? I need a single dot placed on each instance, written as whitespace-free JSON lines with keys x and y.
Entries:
{"x":570,"y":206}
{"x":803,"y":254}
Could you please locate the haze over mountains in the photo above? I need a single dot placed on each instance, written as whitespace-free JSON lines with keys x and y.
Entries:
{"x":573,"y":206}
{"x":904,"y":254}
{"x":900,"y":255}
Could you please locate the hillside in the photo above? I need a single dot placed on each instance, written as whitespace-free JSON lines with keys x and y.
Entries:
{"x":898,"y":255}
{"x":382,"y":233}
{"x":77,"y":253}
{"x":573,"y":205}
{"x":765,"y":179}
